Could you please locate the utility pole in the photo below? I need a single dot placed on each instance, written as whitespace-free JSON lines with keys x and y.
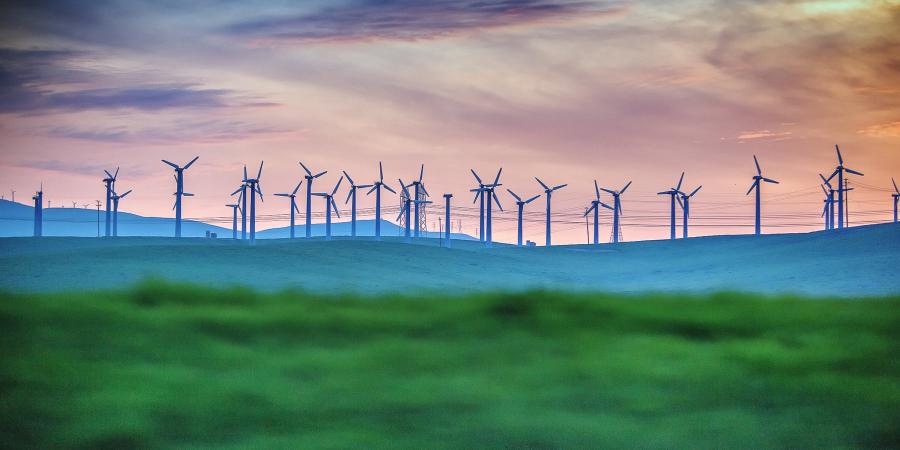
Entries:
{"x":847,"y":202}
{"x":98,"y":218}
{"x":14,"y":196}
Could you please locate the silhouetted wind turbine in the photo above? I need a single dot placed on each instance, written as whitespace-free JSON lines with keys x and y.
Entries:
{"x":417,"y":186}
{"x":115,"y":199}
{"x":685,"y":202}
{"x":234,"y":210}
{"x":293,"y":197}
{"x":480,"y":197}
{"x":595,"y":206}
{"x":39,"y":212}
{"x":839,"y":171}
{"x":408,"y":200}
{"x":673,"y":193}
{"x":487,"y":190}
{"x":309,"y":186}
{"x":329,"y":203}
{"x":521,"y":204}
{"x":757,"y":179}
{"x":829,"y":202}
{"x":352,"y":195}
{"x":896,"y":196}
{"x":253,"y":184}
{"x":179,"y":191}
{"x":110,"y":182}
{"x":241,"y":192}
{"x":376,"y":187}
{"x":616,"y":209}
{"x":548,"y":191}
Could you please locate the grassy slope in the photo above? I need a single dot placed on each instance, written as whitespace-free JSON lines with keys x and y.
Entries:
{"x":854,"y":262}
{"x":168,"y":367}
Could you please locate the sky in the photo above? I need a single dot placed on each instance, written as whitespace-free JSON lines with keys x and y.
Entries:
{"x":570,"y":91}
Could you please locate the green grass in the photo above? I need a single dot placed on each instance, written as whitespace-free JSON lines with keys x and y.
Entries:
{"x":163,"y":366}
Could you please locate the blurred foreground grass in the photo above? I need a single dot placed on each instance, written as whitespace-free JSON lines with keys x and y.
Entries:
{"x":165,"y":366}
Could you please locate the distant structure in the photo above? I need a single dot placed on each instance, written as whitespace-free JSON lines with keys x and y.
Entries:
{"x":548,"y":191}
{"x":595,"y":207}
{"x":405,"y":210}
{"x":293,"y":196}
{"x":39,"y":212}
{"x":110,"y":182}
{"x":447,"y":198}
{"x":115,"y":199}
{"x":234,"y":210}
{"x":329,"y":203}
{"x":839,"y":171}
{"x":757,"y":179}
{"x":309,"y":191}
{"x":179,"y":191}
{"x":241,"y":192}
{"x":255,"y":188}
{"x":420,"y":194}
{"x":487,"y":191}
{"x":376,"y":188}
{"x":829,"y":202}
{"x":896,"y":196}
{"x":673,"y":193}
{"x":685,"y":202}
{"x":617,"y":210}
{"x":352,"y":196}
{"x":521,"y":207}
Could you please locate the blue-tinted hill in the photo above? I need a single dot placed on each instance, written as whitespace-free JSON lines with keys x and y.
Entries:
{"x":16,"y":220}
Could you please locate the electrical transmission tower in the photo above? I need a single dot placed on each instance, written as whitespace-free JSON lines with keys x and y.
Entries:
{"x":612,"y":234}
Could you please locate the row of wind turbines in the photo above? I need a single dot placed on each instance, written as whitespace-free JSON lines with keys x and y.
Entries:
{"x":414,"y":195}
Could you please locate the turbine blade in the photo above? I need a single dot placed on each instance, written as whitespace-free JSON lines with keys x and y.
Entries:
{"x":597,"y":189}
{"x":514,"y":195}
{"x":608,"y":191}
{"x":245,"y":172}
{"x":840,"y":159}
{"x":678,"y":188}
{"x":695,"y":191}
{"x":259,"y":174}
{"x":389,"y":188}
{"x":349,"y":194}
{"x":363,"y":186}
{"x":348,"y":178}
{"x":372,"y":190}
{"x":607,"y":206}
{"x":336,"y":186}
{"x":560,"y":186}
{"x":282,"y":195}
{"x":192,"y":162}
{"x":421,"y":172}
{"x":769,"y":180}
{"x":895,"y":185}
{"x":825,"y":180}
{"x":853,"y":171}
{"x":680,"y":202}
{"x":116,"y":174}
{"x":542,"y":183}
{"x":238,"y":190}
{"x":532,"y":199}
{"x":380,"y":172}
{"x":497,"y":179}
{"x":587,"y":211}
{"x":477,"y":194}
{"x":476,"y":176}
{"x":334,"y":205}
{"x":297,"y":188}
{"x":320,"y":174}
{"x":403,"y":186}
{"x":497,"y":200}
{"x":294,"y":205}
{"x":108,"y":175}
{"x":126,"y":193}
{"x":167,"y":162}
{"x":625,"y":188}
{"x":756,"y":161}
{"x":755,"y":182}
{"x":424,"y":190}
{"x":308,"y":173}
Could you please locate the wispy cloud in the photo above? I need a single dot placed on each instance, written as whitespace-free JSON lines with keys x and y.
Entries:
{"x":191,"y":131}
{"x":411,"y":20}
{"x":890,"y":129}
{"x":764,"y":134}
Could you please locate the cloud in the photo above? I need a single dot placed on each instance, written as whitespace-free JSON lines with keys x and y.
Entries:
{"x":764,"y":134}
{"x":70,"y":167}
{"x":412,"y":20}
{"x":192,"y":131}
{"x":890,"y":129}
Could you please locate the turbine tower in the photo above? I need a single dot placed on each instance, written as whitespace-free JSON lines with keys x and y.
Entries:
{"x":241,"y":192}
{"x":376,"y":187}
{"x":757,"y":179}
{"x":115,"y":199}
{"x":521,"y":204}
{"x":685,"y":202}
{"x":293,"y":197}
{"x":234,"y":210}
{"x":110,"y":182}
{"x":418,"y":190}
{"x":253,"y":185}
{"x":616,"y":208}
{"x":447,"y":198}
{"x":309,"y":186}
{"x":329,"y":203}
{"x":549,"y":192}
{"x":352,"y":195}
{"x":595,"y":206}
{"x":829,"y":202}
{"x":896,"y":196}
{"x":673,"y":193}
{"x":39,"y":212}
{"x":179,"y":191}
{"x":839,"y":171}
{"x":487,"y":190}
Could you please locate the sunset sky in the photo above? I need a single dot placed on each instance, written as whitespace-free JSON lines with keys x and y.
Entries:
{"x":568,"y":91}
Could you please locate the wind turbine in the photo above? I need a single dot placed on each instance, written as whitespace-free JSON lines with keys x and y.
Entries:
{"x":179,"y":191}
{"x":829,"y":202}
{"x":480,"y":197}
{"x":352,"y":195}
{"x":376,"y":187}
{"x":839,"y":171}
{"x":309,"y":186}
{"x":110,"y":182}
{"x":447,"y":198}
{"x":826,"y":209}
{"x":418,"y":185}
{"x":757,"y":179}
{"x":39,"y":212}
{"x":673,"y":193}
{"x":685,"y":202}
{"x":521,"y":204}
{"x":329,"y":203}
{"x":253,"y":184}
{"x":549,"y":192}
{"x":241,"y":192}
{"x":595,"y":206}
{"x":896,"y":196}
{"x":234,"y":210}
{"x":115,"y":199}
{"x":293,"y":196}
{"x":487,"y":190}
{"x":406,"y":207}
{"x":616,"y":209}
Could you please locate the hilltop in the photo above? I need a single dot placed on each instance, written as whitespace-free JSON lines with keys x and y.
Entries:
{"x":851,"y":262}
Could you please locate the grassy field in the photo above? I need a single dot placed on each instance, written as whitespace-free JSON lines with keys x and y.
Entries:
{"x":166,"y":366}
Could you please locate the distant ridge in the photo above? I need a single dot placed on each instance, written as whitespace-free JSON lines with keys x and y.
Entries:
{"x":16,"y":221}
